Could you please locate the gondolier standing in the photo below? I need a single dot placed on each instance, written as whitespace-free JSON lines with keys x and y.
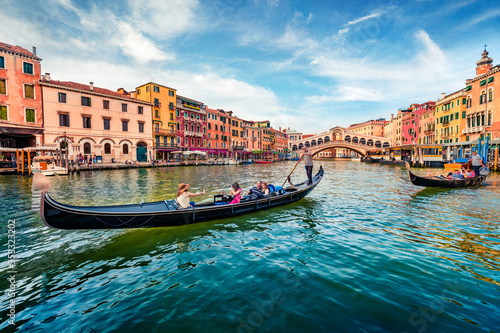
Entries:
{"x":307,"y":157}
{"x":476,"y":162}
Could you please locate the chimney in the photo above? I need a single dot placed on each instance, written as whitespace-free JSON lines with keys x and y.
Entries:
{"x":47,"y":76}
{"x":91,"y":84}
{"x":34,"y":51}
{"x":443,"y":95}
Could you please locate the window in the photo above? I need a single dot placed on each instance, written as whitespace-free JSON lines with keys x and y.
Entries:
{"x":140,"y":110}
{"x":86,"y":101}
{"x":186,"y":142}
{"x":3,"y":89}
{"x":107,"y":122}
{"x":107,"y":148}
{"x":171,"y":106}
{"x":490,"y":95}
{"x":86,"y":148}
{"x":105,"y":105}
{"x":3,"y":112}
{"x":157,"y":102}
{"x":62,"y":98}
{"x":125,"y":149}
{"x":138,"y":91}
{"x":463,"y":114}
{"x":156,"y":89}
{"x":157,"y":113}
{"x":2,"y":62}
{"x":185,"y":114}
{"x":86,"y":122}
{"x":147,"y":88}
{"x":124,"y":107}
{"x":171,"y":116}
{"x":64,"y":119}
{"x":29,"y":91}
{"x":171,"y":93}
{"x":177,"y":112}
{"x":141,"y":127}
{"x":27,"y":68}
{"x":125,"y":125}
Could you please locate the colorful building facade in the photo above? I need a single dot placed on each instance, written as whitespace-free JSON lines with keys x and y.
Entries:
{"x":96,"y":122}
{"x":163,"y":114}
{"x":218,"y":133}
{"x":21,"y":115}
{"x":450,"y":115}
{"x":483,"y":101}
{"x":191,"y":123}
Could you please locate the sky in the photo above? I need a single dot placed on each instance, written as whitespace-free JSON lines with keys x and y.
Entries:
{"x":304,"y":65}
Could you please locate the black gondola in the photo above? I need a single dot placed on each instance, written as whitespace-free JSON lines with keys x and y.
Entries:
{"x":443,"y":182}
{"x":157,"y":214}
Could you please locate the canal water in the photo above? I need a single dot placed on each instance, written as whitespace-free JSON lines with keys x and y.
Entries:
{"x":366,"y":251}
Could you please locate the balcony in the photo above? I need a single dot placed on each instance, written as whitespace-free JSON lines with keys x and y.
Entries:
{"x":429,"y":130}
{"x":476,"y":129}
{"x":445,"y":123}
{"x":238,"y":147}
{"x":254,"y":138}
{"x":165,"y":145}
{"x":157,"y":104}
{"x":166,"y":132}
{"x":196,"y":134}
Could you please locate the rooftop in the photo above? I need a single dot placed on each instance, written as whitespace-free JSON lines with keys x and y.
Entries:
{"x":18,"y":50}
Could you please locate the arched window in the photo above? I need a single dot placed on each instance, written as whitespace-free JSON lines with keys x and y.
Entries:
{"x":215,"y":127}
{"x":482,"y":98}
{"x":469,"y":102}
{"x":86,"y":148}
{"x":125,"y":149}
{"x":107,"y":148}
{"x":178,"y":126}
{"x":185,"y":127}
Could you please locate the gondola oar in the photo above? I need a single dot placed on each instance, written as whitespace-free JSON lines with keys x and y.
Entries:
{"x":300,"y":159}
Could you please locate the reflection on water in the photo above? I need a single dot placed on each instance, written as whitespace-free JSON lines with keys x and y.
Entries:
{"x":365,"y":251}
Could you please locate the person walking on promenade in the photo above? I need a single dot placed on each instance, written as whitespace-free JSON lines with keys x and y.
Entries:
{"x":307,"y":157}
{"x":476,"y":162}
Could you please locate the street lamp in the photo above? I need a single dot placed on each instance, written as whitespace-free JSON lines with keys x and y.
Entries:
{"x":66,"y":151}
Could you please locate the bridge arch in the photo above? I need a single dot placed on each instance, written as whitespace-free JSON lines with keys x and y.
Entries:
{"x":347,"y":138}
{"x":307,"y":144}
{"x":326,"y":139}
{"x":313,"y":143}
{"x":320,"y":141}
{"x":346,"y":145}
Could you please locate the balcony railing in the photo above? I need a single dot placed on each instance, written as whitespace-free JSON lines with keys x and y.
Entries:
{"x":197,"y":134}
{"x":254,"y":138}
{"x":445,"y":123}
{"x":157,"y":105}
{"x":165,"y":145}
{"x":167,"y":132}
{"x":475,"y":129}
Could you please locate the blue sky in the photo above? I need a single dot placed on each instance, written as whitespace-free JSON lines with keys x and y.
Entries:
{"x":308,"y":65}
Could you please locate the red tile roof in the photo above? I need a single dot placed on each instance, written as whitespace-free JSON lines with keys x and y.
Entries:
{"x":86,"y":87}
{"x":17,"y":49}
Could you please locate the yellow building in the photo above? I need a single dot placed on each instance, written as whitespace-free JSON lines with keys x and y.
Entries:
{"x":450,"y":118}
{"x":164,"y":115}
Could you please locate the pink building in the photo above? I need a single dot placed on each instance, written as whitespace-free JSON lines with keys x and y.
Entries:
{"x":96,"y":121}
{"x":420,"y":112}
{"x":191,"y":123}
{"x":21,"y":121}
{"x":408,"y":133}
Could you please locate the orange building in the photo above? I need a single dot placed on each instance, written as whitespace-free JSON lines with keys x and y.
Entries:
{"x":21,"y":119}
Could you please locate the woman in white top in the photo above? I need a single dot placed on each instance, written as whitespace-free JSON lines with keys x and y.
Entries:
{"x":183,"y":196}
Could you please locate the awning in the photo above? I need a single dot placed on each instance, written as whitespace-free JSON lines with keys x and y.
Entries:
{"x":20,"y":131}
{"x":257,"y":151}
{"x":197,"y":152}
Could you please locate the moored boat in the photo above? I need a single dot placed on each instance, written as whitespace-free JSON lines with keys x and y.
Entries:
{"x":263,"y":162}
{"x":443,"y":182}
{"x":47,"y":166}
{"x":157,"y":214}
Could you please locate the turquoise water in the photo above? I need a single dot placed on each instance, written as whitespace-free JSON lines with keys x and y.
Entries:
{"x":366,"y":251}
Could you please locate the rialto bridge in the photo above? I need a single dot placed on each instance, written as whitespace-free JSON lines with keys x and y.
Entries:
{"x":338,"y":138}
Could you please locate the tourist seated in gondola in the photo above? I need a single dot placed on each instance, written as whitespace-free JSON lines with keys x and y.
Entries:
{"x":255,"y":192}
{"x":457,"y":175}
{"x":235,"y":193}
{"x":467,"y":173}
{"x":265,"y":189}
{"x":183,"y":196}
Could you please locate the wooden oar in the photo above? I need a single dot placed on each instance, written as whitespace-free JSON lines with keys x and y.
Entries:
{"x":300,"y":159}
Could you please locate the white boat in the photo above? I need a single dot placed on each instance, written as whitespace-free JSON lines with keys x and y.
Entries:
{"x":357,"y":159}
{"x":47,"y":165}
{"x":232,"y":161}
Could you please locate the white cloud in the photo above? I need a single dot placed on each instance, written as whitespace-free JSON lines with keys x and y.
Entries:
{"x":137,"y":46}
{"x":356,"y":21}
